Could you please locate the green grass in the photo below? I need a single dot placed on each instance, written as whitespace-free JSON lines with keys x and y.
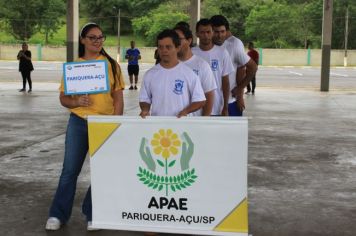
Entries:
{"x":59,"y":38}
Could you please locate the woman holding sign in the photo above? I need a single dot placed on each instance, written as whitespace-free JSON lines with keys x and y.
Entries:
{"x":76,"y":143}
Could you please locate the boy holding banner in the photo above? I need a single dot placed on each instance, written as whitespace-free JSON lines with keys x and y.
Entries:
{"x":170,"y":88}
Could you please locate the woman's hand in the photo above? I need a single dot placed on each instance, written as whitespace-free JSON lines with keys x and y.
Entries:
{"x":83,"y":101}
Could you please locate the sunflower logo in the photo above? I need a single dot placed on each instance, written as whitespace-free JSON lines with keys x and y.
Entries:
{"x":167,"y":144}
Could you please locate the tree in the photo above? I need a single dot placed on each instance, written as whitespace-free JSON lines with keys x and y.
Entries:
{"x":272,"y":25}
{"x":20,"y":17}
{"x":24,"y":18}
{"x":51,"y":11}
{"x":107,"y":16}
{"x":165,"y":16}
{"x":235,"y":11}
{"x":339,"y":14}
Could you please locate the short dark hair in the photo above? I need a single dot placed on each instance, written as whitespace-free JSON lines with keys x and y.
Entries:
{"x":169,"y":33}
{"x":186,"y":32}
{"x":251,"y":44}
{"x":220,"y":20}
{"x":204,"y":22}
{"x":183,"y":24}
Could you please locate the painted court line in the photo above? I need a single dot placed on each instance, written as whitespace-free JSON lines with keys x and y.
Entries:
{"x":295,"y":73}
{"x":342,"y":75}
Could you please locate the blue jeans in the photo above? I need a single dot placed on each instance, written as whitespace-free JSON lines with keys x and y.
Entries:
{"x":76,"y":148}
{"x":233,"y":111}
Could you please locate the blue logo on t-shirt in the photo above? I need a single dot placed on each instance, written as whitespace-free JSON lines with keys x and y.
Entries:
{"x":196,"y":71}
{"x":178,"y":87}
{"x":214,"y":64}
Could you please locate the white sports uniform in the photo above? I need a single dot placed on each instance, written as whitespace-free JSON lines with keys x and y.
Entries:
{"x":169,"y":91}
{"x":239,"y":58}
{"x":202,"y":69}
{"x":220,"y":64}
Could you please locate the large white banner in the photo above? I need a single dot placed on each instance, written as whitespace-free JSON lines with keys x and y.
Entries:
{"x":161,"y":174}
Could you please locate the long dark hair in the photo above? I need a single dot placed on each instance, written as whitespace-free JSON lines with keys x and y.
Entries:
{"x":81,"y":48}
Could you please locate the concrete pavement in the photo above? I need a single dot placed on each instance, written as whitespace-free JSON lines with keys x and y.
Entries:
{"x":302,"y":161}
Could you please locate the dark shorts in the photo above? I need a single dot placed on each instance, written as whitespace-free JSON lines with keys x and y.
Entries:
{"x":133,"y":69}
{"x":233,"y":111}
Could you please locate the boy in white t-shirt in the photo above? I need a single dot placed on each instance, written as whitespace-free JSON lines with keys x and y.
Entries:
{"x":220,"y":63}
{"x":198,"y":66}
{"x":244,"y":67}
{"x":170,"y":88}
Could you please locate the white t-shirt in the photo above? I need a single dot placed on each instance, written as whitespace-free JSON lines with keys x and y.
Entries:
{"x":169,"y":91}
{"x":221,"y":65}
{"x":239,"y":58}
{"x":202,"y":69}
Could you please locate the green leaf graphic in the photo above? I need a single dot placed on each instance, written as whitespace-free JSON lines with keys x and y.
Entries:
{"x":172,"y":163}
{"x":160,"y":163}
{"x":175,"y":183}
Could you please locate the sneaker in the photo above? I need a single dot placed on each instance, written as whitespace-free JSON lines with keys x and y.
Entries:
{"x":90,"y":227}
{"x":131,"y":88}
{"x":247,"y":92}
{"x":29,"y":91}
{"x":253,"y":92}
{"x":22,"y":90}
{"x":53,"y":223}
{"x":135,"y":87}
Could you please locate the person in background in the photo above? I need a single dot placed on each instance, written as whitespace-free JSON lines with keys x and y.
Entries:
{"x":25,"y":67}
{"x":254,"y":56}
{"x":76,"y":141}
{"x":156,"y":57}
{"x":244,"y":67}
{"x":133,"y":55}
{"x":198,"y":66}
{"x":220,"y":63}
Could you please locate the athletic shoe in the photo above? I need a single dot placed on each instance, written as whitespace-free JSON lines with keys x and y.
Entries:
{"x":131,"y":88}
{"x":247,"y":92}
{"x":29,"y":91}
{"x":22,"y":90}
{"x":135,"y":87}
{"x":53,"y":223}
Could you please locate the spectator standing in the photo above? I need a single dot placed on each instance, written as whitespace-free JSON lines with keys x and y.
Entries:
{"x":25,"y":67}
{"x":133,"y":55}
{"x":254,"y":56}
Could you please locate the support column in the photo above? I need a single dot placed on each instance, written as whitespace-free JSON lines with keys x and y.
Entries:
{"x":326,"y":45}
{"x":194,"y":12}
{"x":72,"y":29}
{"x":346,"y":34}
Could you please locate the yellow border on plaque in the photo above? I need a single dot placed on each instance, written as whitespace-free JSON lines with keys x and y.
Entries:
{"x":236,"y":220}
{"x":99,"y":133}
